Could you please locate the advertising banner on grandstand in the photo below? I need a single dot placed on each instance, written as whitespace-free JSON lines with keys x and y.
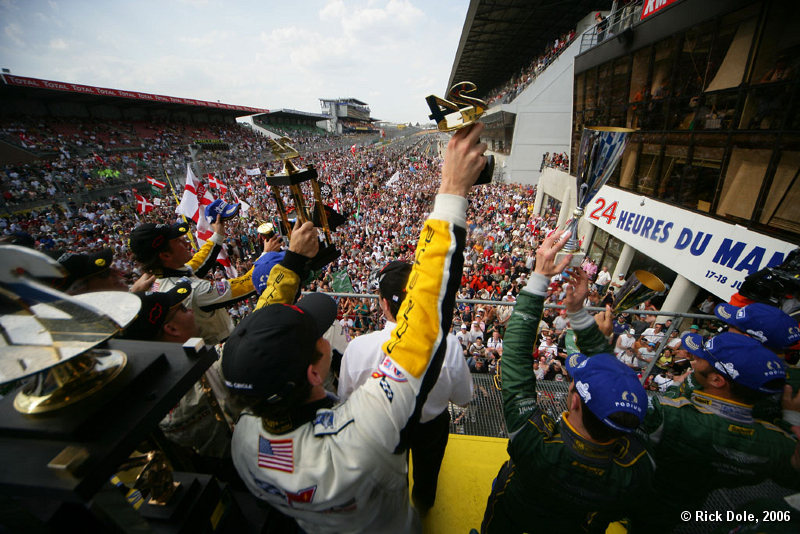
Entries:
{"x":653,"y":6}
{"x":23,"y":81}
{"x":713,"y":254}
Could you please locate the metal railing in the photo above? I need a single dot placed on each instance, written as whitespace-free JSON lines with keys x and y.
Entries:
{"x":617,"y":22}
{"x":374,"y":319}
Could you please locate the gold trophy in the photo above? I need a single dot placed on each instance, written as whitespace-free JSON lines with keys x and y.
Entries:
{"x":639,"y":287}
{"x":291,"y":176}
{"x":151,"y":474}
{"x":458,"y":111}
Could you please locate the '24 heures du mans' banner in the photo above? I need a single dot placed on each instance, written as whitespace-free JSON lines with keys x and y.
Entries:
{"x":713,"y":254}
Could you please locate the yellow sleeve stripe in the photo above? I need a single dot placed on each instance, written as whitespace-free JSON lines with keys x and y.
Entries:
{"x":242,"y":285}
{"x":418,"y":332}
{"x":200,"y":257}
{"x":281,"y":287}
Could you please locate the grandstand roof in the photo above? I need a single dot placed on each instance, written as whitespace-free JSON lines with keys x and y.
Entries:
{"x":49,"y":89}
{"x":502,"y":36}
{"x":295,"y":113}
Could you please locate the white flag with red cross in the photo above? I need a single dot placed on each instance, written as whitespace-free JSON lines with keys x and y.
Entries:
{"x":193,"y":205}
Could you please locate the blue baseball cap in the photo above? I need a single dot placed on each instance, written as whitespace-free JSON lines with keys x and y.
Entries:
{"x":220,"y":207}
{"x":742,"y":359}
{"x":607,"y":386}
{"x":768,"y":324}
{"x":262,"y":268}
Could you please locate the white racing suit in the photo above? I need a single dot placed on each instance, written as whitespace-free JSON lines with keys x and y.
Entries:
{"x":209,"y":299}
{"x":337,"y":471}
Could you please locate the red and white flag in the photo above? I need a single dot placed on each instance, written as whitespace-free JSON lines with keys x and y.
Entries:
{"x":193,"y":205}
{"x":143,"y":205}
{"x":217,"y":183}
{"x":155,"y":183}
{"x":353,"y":149}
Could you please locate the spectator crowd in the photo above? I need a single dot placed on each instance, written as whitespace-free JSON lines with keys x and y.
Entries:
{"x":384,"y":193}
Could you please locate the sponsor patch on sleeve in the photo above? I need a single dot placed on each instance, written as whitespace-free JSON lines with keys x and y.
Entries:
{"x":221,"y":287}
{"x":391,"y":371}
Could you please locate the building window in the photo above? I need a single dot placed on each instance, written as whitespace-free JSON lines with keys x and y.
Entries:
{"x":605,"y":249}
{"x":743,"y":180}
{"x":727,"y":61}
{"x":782,"y":207}
{"x":551,"y":207}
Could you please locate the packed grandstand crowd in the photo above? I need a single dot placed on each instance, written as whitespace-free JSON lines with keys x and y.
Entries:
{"x":527,"y":75}
{"x":382,"y":190}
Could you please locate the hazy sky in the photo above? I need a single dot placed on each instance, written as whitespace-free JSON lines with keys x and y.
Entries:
{"x":267,"y":54}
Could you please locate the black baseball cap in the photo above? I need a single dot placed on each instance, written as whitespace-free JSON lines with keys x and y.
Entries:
{"x":392,"y":280}
{"x":268,"y":353}
{"x":155,"y":309}
{"x":148,"y":239}
{"x":80,"y":266}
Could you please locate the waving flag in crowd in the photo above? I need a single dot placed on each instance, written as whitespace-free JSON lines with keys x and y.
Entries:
{"x":193,"y":205}
{"x":155,"y":183}
{"x":217,"y":183}
{"x":143,"y":205}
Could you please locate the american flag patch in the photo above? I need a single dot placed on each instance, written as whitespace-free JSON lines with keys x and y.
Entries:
{"x":276,"y":454}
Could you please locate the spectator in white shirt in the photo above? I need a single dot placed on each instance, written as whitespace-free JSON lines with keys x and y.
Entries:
{"x":654,"y":334}
{"x":603,"y":278}
{"x":624,"y":342}
{"x":428,"y":438}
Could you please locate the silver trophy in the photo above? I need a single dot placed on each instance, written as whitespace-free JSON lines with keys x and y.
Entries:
{"x":600,"y":151}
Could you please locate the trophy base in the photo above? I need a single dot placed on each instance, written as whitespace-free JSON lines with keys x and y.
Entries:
{"x":69,"y":382}
{"x":326,"y":254}
{"x":577,"y":257}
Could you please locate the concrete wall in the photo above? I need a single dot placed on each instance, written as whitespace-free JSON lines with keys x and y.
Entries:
{"x":543,"y":118}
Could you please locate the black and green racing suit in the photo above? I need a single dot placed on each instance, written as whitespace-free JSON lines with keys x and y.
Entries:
{"x":702,"y":442}
{"x":555,"y":478}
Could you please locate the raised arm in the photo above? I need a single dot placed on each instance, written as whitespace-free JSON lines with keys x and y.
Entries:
{"x":519,"y":380}
{"x":414,"y":353}
{"x":284,"y":279}
{"x":588,"y":337}
{"x":205,"y":258}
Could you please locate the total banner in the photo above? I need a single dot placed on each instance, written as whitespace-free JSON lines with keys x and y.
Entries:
{"x":713,"y":254}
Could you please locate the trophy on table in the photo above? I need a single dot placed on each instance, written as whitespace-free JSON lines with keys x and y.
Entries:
{"x":53,"y":337}
{"x":291,"y":176}
{"x":600,"y":150}
{"x":458,"y":111}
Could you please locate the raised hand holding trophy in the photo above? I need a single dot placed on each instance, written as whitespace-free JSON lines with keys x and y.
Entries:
{"x":291,"y":176}
{"x":459,"y":111}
